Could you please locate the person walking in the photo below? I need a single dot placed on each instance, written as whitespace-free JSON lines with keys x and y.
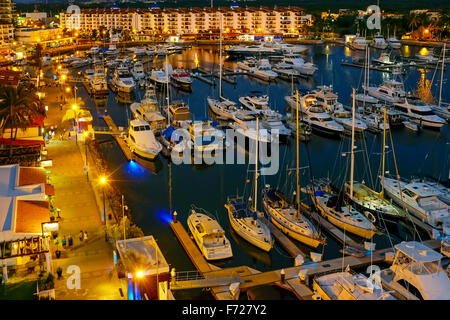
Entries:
{"x":70,"y":241}
{"x":64,"y":242}
{"x":81,"y":235}
{"x":85,"y":236}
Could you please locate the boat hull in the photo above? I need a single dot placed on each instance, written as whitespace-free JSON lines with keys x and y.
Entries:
{"x":260,"y":244}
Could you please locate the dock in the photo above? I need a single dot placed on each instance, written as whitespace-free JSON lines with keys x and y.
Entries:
{"x":334,"y":231}
{"x":120,"y":141}
{"x":220,"y":279}
{"x":284,"y":241}
{"x":204,"y":79}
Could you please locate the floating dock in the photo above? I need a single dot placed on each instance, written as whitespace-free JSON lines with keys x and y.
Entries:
{"x":284,"y":241}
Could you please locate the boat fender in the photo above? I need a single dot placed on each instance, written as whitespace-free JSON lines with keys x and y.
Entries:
{"x":370,"y":216}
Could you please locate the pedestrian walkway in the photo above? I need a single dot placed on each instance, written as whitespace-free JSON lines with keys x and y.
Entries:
{"x":79,"y":211}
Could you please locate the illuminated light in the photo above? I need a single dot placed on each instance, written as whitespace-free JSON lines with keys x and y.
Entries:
{"x":164,"y":215}
{"x":68,"y":89}
{"x":14,"y":43}
{"x":38,"y":40}
{"x":140,"y":274}
{"x":74,"y":107}
{"x":426,"y":30}
{"x":46,"y":108}
{"x":424,"y":52}
{"x":103,"y":180}
{"x":85,"y":133}
{"x":64,"y":78}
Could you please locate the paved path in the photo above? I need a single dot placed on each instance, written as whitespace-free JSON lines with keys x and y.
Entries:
{"x":79,"y":210}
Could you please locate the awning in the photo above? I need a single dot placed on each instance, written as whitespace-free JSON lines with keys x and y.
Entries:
{"x":30,"y":215}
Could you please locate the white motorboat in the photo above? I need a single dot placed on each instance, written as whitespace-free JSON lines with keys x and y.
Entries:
{"x":112,"y":50}
{"x":420,"y":199}
{"x":264,"y":71}
{"x":348,"y":286}
{"x":390,"y":91}
{"x":411,"y":126}
{"x":88,"y":74}
{"x":181,"y":77}
{"x":326,"y":98}
{"x":286,"y":71}
{"x":373,"y":122}
{"x":206,"y":140}
{"x":394,"y":43}
{"x":314,"y":114}
{"x":138,"y":71}
{"x":358,"y":43}
{"x":416,"y":273}
{"x":378,"y":42}
{"x":418,"y":112}
{"x":384,"y":59}
{"x":123,"y":80}
{"x":442,"y":111}
{"x":247,"y":224}
{"x":227,"y":109}
{"x":427,"y":58}
{"x":247,"y":130}
{"x":285,"y":216}
{"x":275,"y":126}
{"x":98,"y":84}
{"x":249,"y":64}
{"x":79,"y":62}
{"x":209,"y":236}
{"x":252,"y":50}
{"x":139,"y":51}
{"x":148,"y":110}
{"x":255,"y":102}
{"x":299,"y":64}
{"x":142,"y":141}
{"x":93,"y":50}
{"x":443,"y":191}
{"x":159,"y":77}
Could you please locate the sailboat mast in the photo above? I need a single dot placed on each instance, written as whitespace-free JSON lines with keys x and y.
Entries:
{"x":442,"y":75}
{"x":384,"y":153}
{"x":167,"y":83}
{"x":352,"y":159}
{"x":256,"y":163}
{"x":220,"y":57}
{"x":298,"y":164}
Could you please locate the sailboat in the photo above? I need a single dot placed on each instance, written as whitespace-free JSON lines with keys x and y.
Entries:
{"x":287,"y":217}
{"x":373,"y":203}
{"x":442,"y":110}
{"x":245,"y":220}
{"x":333,"y":206}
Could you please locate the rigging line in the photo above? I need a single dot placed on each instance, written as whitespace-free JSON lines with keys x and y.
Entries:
{"x":367,"y":158}
{"x":400,"y":189}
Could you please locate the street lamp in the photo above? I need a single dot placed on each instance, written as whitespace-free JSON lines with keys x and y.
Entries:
{"x":86,"y":150}
{"x":103,"y":181}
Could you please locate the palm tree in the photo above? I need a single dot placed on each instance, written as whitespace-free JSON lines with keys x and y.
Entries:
{"x":19,"y":106}
{"x":415,"y":20}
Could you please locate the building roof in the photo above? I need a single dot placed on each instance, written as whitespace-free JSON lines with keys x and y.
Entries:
{"x":418,"y":251}
{"x":23,"y":204}
{"x":145,"y":250}
{"x":30,"y":215}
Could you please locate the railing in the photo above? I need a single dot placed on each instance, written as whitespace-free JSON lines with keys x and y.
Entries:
{"x":188,"y":276}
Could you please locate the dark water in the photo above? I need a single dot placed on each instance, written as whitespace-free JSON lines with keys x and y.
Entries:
{"x":147,"y":192}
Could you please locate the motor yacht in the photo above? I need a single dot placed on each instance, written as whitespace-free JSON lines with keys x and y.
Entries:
{"x":206,"y":140}
{"x":159,"y":77}
{"x":249,"y":64}
{"x":384,"y":59}
{"x":420,"y":199}
{"x":349,"y":286}
{"x":286,"y":71}
{"x":181,"y":77}
{"x":123,"y":80}
{"x":314,"y":114}
{"x":179,"y":114}
{"x":394,"y":43}
{"x":427,"y":58}
{"x":379,"y":42}
{"x":209,"y":236}
{"x":227,"y":109}
{"x":98,"y":84}
{"x":326,"y":98}
{"x":418,"y":112}
{"x":416,"y":273}
{"x":141,"y":140}
{"x":299,"y":64}
{"x":442,"y":111}
{"x":358,"y":43}
{"x":247,"y":224}
{"x":264,"y":71}
{"x":112,"y":50}
{"x":138,"y":71}
{"x":390,"y":91}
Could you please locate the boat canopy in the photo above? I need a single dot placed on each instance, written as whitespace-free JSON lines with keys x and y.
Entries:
{"x":170,"y":134}
{"x":418,"y":251}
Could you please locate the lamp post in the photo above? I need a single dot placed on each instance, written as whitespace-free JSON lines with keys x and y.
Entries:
{"x":103,"y":181}
{"x":86,"y":155}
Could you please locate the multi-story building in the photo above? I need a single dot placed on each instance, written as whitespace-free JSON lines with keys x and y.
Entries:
{"x":6,"y":19}
{"x":184,"y":21}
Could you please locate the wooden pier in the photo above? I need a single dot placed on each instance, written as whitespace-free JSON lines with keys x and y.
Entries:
{"x":284,"y":241}
{"x":120,"y":141}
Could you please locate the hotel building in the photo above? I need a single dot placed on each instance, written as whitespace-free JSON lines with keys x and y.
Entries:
{"x":189,"y":21}
{"x":6,"y":18}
